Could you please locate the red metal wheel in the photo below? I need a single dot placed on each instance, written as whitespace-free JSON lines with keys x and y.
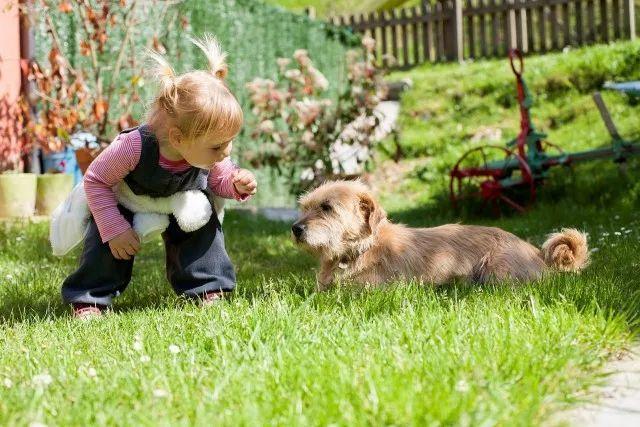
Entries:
{"x":494,"y":175}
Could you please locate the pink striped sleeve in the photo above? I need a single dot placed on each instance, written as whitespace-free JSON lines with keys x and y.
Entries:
{"x":221,"y":181}
{"x":108,"y":169}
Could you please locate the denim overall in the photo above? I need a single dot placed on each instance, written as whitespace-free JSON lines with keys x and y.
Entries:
{"x":196,"y":262}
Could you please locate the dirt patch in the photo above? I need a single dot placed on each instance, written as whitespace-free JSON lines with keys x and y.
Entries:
{"x":388,"y":175}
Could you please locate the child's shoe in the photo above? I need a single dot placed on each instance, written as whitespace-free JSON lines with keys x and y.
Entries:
{"x":211,"y":298}
{"x":83,"y":310}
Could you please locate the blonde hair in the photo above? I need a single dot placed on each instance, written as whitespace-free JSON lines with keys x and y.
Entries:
{"x":198,"y":102}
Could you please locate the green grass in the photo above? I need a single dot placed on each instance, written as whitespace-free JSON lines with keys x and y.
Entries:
{"x":326,"y":8}
{"x":279,"y":353}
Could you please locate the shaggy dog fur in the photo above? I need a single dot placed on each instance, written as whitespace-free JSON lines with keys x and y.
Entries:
{"x":344,"y":226}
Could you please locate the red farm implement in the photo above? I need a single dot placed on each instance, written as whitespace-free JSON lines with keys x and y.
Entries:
{"x":510,"y":175}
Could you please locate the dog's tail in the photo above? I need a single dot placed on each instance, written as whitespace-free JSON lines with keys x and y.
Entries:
{"x":566,"y":250}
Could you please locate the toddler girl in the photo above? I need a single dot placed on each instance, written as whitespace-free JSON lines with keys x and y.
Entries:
{"x":184,"y":145}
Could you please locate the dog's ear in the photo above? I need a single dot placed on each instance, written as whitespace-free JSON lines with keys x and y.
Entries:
{"x":372,"y":211}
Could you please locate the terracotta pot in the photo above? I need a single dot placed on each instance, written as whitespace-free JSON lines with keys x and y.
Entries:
{"x":17,"y":194}
{"x":85,"y":156}
{"x":52,"y":190}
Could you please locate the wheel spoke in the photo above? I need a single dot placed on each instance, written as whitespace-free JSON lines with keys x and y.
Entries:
{"x":511,"y":203}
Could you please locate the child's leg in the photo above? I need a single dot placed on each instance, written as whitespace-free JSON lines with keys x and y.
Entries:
{"x":197,"y":262}
{"x":100,"y":276}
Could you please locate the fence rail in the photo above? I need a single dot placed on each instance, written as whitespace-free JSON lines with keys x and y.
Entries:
{"x":456,"y":29}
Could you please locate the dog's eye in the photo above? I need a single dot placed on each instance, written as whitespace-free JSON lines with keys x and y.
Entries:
{"x":326,"y":207}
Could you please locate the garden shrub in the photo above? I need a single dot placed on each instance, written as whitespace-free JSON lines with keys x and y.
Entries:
{"x":254,"y":35}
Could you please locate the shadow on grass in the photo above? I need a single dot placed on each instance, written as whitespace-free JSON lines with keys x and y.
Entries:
{"x":261,"y":250}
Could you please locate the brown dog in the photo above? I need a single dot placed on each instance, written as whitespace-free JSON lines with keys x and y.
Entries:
{"x":344,"y":226}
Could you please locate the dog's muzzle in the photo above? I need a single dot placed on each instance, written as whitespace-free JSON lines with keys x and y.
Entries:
{"x":298,"y":230}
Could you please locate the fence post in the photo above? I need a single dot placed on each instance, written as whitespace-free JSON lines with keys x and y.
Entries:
{"x":310,"y":11}
{"x":512,"y":27}
{"x":632,"y":19}
{"x":459,"y":31}
{"x":454,"y":48}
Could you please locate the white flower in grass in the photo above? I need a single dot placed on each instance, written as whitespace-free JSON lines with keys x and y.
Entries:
{"x":627,"y":231}
{"x":42,"y":380}
{"x":8,"y":277}
{"x":37,"y":424}
{"x":7,"y":383}
{"x":137,"y":345}
{"x":617,"y":233}
{"x":92,"y":373}
{"x":160,"y":393}
{"x":145,"y":359}
{"x":174,"y":349}
{"x":462,"y":386}
{"x":594,"y":250}
{"x":605,"y":234}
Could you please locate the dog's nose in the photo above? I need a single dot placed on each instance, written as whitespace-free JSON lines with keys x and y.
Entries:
{"x":298,"y":229}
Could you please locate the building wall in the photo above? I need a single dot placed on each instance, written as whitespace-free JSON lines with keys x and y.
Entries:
{"x":9,"y":50}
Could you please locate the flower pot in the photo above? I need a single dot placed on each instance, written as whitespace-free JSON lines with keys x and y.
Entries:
{"x":17,"y":194}
{"x":62,"y":162}
{"x":53,"y":189}
{"x":84,"y":157}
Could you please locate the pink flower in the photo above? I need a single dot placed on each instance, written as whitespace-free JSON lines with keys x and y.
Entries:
{"x":294,"y":75}
{"x":308,"y":110}
{"x":369,"y":43}
{"x":302,"y":56}
{"x":319,"y":80}
{"x":283,"y":63}
{"x":308,"y":139}
{"x":266,"y":126}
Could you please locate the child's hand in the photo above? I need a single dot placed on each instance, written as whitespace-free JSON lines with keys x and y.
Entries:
{"x":245,"y":182}
{"x":125,"y":245}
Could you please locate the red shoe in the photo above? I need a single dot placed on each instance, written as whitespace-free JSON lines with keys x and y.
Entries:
{"x":211,"y":298}
{"x":83,"y":310}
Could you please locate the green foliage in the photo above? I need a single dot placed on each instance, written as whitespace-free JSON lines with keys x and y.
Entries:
{"x":325,"y":8}
{"x":254,"y":35}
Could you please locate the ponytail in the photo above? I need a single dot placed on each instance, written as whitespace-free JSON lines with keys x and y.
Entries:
{"x":214,"y":53}
{"x":164,"y":73}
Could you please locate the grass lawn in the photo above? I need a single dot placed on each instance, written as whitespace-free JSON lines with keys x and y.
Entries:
{"x":279,"y":353}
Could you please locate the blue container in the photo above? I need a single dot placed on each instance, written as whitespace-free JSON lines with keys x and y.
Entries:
{"x":62,"y":162}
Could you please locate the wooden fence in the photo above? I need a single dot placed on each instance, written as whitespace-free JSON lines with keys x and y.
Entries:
{"x":461,"y":29}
